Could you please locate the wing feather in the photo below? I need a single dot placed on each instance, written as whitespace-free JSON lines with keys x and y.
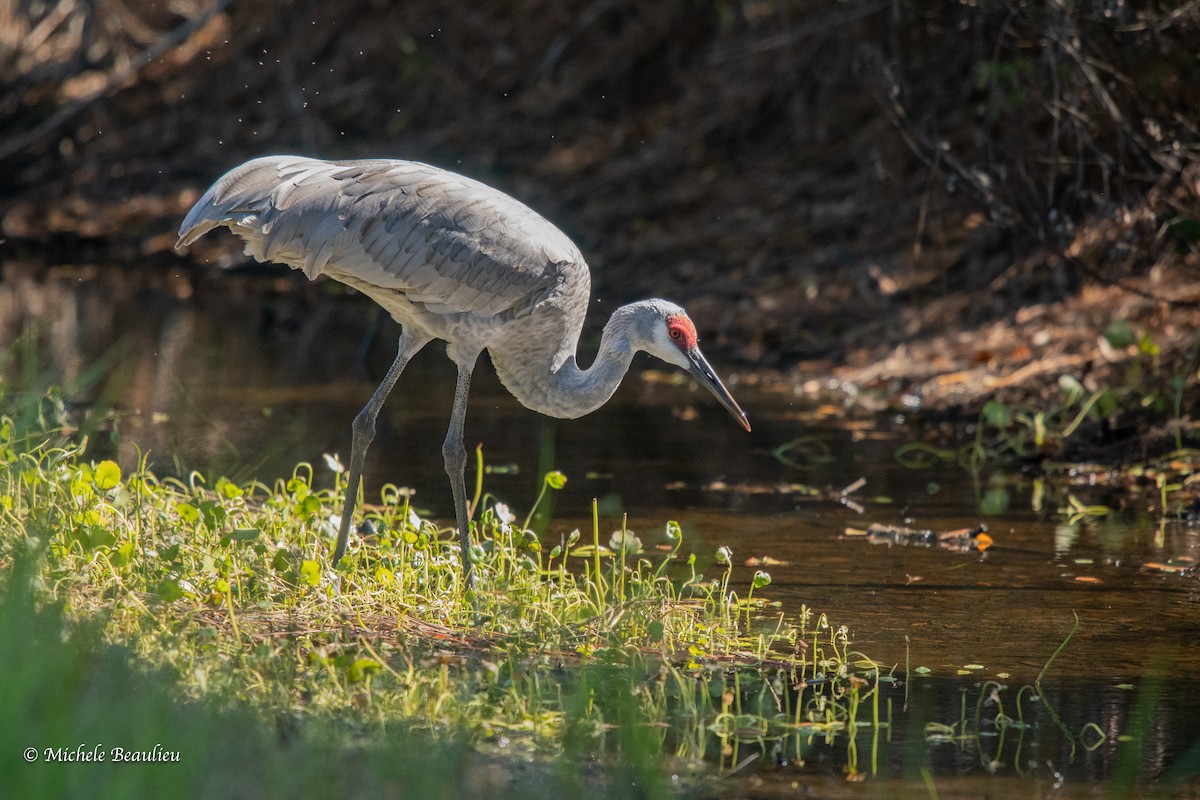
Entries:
{"x":449,"y":242}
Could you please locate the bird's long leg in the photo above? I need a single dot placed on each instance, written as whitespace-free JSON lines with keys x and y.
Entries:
{"x":455,"y":455}
{"x":363,"y":431}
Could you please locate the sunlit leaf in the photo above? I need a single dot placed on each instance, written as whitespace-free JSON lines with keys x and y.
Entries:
{"x":1148,"y":346}
{"x":529,"y":541}
{"x":187,"y":512}
{"x":310,"y":505}
{"x":310,"y":572}
{"x":626,"y":541}
{"x":107,"y":475}
{"x":123,"y":555}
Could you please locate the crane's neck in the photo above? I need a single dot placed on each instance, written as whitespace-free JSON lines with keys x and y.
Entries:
{"x":554,"y":384}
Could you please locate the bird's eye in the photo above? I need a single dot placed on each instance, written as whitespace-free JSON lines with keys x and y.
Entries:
{"x":675,"y":334}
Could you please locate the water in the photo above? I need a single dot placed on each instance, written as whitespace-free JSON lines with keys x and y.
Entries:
{"x":247,"y":374}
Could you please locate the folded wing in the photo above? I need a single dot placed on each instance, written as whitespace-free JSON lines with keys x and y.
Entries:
{"x":447,"y":242}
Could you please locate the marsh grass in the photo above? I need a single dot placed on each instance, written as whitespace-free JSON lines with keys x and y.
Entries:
{"x":608,"y":647}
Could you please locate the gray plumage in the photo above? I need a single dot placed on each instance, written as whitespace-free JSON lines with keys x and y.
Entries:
{"x":449,"y":258}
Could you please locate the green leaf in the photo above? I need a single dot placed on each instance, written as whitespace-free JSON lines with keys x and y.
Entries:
{"x":282,"y":560}
{"x":625,"y":540}
{"x":997,"y":414}
{"x":310,"y":505}
{"x":96,"y":536}
{"x":241,"y":535}
{"x":107,"y":476}
{"x":361,"y":668}
{"x":245,"y":534}
{"x":761,"y":579}
{"x":1148,"y":346}
{"x":187,"y":512}
{"x":655,"y":631}
{"x":168,"y":590}
{"x":994,"y":501}
{"x":228,"y":489}
{"x":310,"y":572}
{"x":123,"y":554}
{"x":1120,"y":334}
{"x":212,"y":513}
{"x":555,"y":479}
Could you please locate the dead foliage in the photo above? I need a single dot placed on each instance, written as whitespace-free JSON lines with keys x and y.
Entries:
{"x":895,"y":187}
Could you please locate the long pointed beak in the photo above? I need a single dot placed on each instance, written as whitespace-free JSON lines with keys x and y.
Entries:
{"x":703,"y":373}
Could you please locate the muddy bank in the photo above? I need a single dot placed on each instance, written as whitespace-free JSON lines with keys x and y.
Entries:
{"x":941,"y":204}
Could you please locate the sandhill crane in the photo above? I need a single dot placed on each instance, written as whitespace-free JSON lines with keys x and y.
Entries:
{"x":452,"y":259}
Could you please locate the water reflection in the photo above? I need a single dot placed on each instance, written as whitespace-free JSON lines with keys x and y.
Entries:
{"x":247,"y":374}
{"x":970,"y":738}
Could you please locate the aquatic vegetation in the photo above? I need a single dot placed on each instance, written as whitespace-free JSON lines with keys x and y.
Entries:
{"x":616,"y":644}
{"x":1145,"y":401}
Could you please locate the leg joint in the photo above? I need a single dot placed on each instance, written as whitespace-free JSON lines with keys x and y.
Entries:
{"x":454,"y":454}
{"x":364,"y":425}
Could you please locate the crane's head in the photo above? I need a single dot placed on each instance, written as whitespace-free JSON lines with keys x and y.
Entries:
{"x":672,"y":337}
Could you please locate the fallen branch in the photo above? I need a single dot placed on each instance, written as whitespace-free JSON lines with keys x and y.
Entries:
{"x":116,"y":77}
